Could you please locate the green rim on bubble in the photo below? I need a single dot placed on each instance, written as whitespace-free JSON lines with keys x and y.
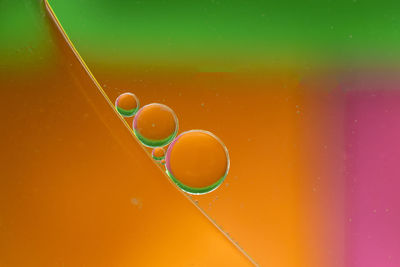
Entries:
{"x":158,"y":158}
{"x":127,"y":113}
{"x":154,"y":143}
{"x":196,"y":190}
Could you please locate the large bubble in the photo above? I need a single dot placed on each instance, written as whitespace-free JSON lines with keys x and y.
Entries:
{"x":197,"y":161}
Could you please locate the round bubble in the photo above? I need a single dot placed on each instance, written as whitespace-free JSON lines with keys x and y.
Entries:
{"x":127,"y":104}
{"x":197,"y":161}
{"x":158,"y":153}
{"x":155,"y":125}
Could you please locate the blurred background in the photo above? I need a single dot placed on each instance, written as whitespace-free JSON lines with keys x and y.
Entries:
{"x":305,"y":95}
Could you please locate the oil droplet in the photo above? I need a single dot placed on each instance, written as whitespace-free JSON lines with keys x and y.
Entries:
{"x":197,"y":161}
{"x":127,"y":104}
{"x":155,"y":125}
{"x":158,"y":153}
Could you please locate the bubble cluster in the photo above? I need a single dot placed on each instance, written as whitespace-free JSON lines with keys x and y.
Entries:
{"x":158,"y":153}
{"x":197,"y":161}
{"x":127,"y":104}
{"x":155,"y":125}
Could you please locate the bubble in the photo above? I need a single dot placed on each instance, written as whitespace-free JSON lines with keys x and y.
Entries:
{"x":127,"y":104}
{"x":197,"y":161}
{"x":158,"y":153}
{"x":155,"y":125}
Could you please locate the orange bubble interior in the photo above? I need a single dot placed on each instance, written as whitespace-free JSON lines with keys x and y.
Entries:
{"x":198,"y":159}
{"x":127,"y":102}
{"x":158,"y":152}
{"x":155,"y":122}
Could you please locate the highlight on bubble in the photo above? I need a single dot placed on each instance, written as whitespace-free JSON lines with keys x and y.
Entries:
{"x":158,"y":153}
{"x":127,"y":104}
{"x":197,"y":162}
{"x":155,"y":125}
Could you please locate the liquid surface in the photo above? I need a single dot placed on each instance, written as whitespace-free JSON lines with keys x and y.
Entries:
{"x":76,"y":188}
{"x":304,"y":95}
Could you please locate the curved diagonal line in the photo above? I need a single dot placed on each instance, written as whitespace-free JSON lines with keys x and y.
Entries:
{"x":86,"y":68}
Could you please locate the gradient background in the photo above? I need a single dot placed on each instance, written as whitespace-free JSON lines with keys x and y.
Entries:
{"x":304,"y":95}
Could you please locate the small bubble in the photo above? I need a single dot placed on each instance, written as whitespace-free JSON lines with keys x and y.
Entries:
{"x":158,"y":153}
{"x":137,"y":202}
{"x":127,"y":104}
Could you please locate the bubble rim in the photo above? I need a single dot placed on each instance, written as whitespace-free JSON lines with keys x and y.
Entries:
{"x":127,"y":113}
{"x":158,"y":158}
{"x":149,"y":143}
{"x":196,"y":190}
